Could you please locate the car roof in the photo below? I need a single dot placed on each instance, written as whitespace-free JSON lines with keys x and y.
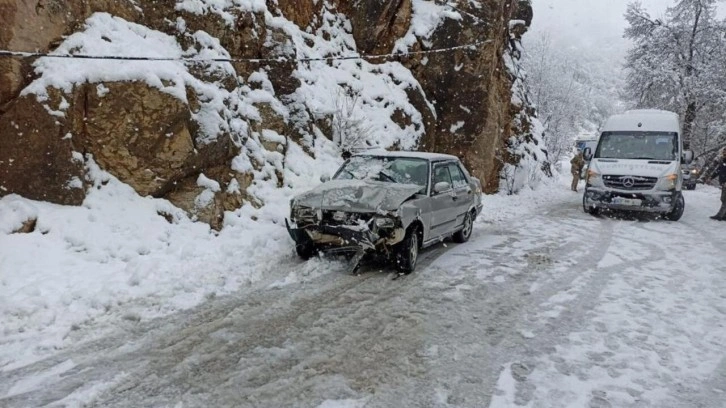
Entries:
{"x":407,"y":154}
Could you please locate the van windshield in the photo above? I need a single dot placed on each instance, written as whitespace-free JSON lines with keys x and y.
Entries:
{"x":638,"y":145}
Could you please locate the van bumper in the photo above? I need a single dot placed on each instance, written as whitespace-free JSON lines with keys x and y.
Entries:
{"x":651,"y":201}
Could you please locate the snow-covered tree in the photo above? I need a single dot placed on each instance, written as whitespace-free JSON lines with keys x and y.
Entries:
{"x":571,"y":90}
{"x":677,"y":63}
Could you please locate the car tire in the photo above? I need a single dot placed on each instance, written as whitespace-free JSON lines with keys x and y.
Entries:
{"x":306,"y":251}
{"x":464,"y":234}
{"x":407,"y":251}
{"x":678,"y":209}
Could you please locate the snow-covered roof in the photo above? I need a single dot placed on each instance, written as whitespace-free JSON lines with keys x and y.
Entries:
{"x":644,"y":120}
{"x":407,"y":154}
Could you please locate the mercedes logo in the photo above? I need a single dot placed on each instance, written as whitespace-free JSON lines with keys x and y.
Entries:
{"x":628,"y":182}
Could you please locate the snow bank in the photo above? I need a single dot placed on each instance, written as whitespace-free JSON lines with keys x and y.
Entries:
{"x":15,"y":212}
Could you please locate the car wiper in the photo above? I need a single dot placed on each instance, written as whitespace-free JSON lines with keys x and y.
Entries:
{"x":383,"y":173}
{"x":643,"y":158}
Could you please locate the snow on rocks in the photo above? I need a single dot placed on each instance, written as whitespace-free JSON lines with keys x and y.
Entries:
{"x":427,"y":16}
{"x":221,"y":7}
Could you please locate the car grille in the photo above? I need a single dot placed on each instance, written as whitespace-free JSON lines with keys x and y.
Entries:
{"x":630,"y":182}
{"x":344,"y":218}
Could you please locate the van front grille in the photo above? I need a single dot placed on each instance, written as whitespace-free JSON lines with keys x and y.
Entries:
{"x":630,"y":182}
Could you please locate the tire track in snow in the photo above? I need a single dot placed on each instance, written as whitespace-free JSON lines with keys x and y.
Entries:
{"x":578,"y":308}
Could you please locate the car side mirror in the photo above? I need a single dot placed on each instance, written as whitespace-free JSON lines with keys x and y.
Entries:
{"x":441,"y":187}
{"x":587,"y":154}
{"x":688,"y":157}
{"x":324,"y":178}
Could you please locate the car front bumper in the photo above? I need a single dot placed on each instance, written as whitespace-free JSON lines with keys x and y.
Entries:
{"x":654,"y":202}
{"x":334,"y":236}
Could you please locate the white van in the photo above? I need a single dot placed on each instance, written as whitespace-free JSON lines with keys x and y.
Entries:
{"x":637,"y":165}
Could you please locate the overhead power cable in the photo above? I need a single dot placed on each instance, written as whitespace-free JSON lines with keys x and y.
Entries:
{"x":25,"y":54}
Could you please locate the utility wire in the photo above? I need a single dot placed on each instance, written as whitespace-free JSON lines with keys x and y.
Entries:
{"x":25,"y":54}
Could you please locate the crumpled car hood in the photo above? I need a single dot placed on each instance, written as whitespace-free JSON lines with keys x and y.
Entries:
{"x":357,"y":196}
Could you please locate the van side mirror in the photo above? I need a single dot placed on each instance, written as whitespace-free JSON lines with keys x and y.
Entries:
{"x":441,"y":187}
{"x":687,"y":157}
{"x":587,"y":154}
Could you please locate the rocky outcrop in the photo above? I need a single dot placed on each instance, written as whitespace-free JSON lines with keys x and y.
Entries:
{"x":36,"y":157}
{"x":156,"y":142}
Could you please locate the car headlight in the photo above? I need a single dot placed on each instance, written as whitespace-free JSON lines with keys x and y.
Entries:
{"x":668,"y":182}
{"x":694,"y":171}
{"x":594,"y":179}
{"x":304,"y":213}
{"x":384,"y":222}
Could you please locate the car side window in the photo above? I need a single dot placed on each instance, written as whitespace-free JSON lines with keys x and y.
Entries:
{"x":442,"y":174}
{"x":457,"y":176}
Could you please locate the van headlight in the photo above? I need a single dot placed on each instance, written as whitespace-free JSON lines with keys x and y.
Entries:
{"x":594,"y":179}
{"x":667,"y":183}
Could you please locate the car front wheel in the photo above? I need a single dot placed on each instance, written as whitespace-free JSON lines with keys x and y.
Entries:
{"x":407,"y":251}
{"x":306,"y":250}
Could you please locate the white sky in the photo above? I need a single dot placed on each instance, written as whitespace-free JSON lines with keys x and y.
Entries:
{"x":592,"y":24}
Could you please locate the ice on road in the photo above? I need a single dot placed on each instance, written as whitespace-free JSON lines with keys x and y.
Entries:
{"x":545,"y":307}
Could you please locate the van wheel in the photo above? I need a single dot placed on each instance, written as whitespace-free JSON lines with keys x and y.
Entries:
{"x":594,"y":211}
{"x":678,"y":209}
{"x":465,"y":233}
{"x":407,"y":251}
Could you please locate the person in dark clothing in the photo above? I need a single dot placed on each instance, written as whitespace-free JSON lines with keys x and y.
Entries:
{"x":719,"y":171}
{"x":347,"y":154}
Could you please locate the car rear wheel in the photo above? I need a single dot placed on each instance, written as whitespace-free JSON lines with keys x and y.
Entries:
{"x":465,"y":233}
{"x":407,"y":251}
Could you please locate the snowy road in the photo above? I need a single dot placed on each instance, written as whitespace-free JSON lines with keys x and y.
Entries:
{"x":551,"y":308}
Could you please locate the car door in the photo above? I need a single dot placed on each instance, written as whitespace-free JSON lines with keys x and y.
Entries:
{"x":443,"y":204}
{"x":463,"y":191}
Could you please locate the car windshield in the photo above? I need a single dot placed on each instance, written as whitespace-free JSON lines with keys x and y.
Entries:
{"x":638,"y":145}
{"x":402,"y":170}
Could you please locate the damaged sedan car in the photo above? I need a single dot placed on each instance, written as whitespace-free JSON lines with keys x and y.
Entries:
{"x":391,"y":204}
